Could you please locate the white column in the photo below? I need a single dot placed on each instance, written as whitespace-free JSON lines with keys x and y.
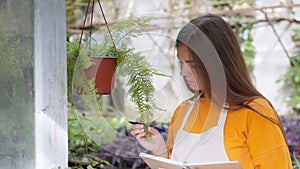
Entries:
{"x":50,"y":77}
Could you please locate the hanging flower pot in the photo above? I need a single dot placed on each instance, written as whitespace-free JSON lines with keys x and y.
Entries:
{"x":131,"y":64}
{"x":103,"y":70}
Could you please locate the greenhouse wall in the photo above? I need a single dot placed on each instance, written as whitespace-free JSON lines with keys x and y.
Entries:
{"x":33,"y":106}
{"x":16,"y":85}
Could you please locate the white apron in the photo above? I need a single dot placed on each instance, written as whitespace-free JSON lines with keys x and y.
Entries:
{"x":205,"y":147}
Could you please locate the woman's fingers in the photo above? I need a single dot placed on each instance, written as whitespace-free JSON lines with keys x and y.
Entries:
{"x":141,"y":135}
{"x":153,"y":131}
{"x":137,"y":131}
{"x":137,"y":126}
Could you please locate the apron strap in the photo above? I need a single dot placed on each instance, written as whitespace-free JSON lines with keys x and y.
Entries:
{"x":187,"y":114}
{"x":204,"y":137}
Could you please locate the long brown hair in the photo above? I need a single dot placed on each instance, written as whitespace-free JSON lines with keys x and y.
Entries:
{"x":239,"y":89}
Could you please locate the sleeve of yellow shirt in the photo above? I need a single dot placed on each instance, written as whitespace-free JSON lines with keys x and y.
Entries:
{"x":265,"y":141}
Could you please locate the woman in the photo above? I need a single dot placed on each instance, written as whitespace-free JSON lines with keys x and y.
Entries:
{"x":227,"y":119}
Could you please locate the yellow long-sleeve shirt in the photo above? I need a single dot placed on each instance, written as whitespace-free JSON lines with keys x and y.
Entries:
{"x":249,"y":138}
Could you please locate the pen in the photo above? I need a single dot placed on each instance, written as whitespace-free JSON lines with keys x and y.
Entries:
{"x":157,"y":128}
{"x":134,"y":122}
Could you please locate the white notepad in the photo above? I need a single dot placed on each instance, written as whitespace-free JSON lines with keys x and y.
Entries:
{"x":156,"y":162}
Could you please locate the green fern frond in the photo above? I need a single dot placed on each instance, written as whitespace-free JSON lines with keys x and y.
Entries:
{"x":80,"y":83}
{"x":72,"y":55}
{"x":129,"y":28}
{"x":141,"y":89}
{"x":130,"y":64}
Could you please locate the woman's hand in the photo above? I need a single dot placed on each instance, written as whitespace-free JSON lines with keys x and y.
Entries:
{"x":155,"y":143}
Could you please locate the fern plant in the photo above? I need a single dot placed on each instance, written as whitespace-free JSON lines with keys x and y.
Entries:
{"x":130,"y":64}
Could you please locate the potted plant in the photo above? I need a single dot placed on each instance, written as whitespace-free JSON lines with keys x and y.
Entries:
{"x":103,"y":70}
{"x":130,"y":64}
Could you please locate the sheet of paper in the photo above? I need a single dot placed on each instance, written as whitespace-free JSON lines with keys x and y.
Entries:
{"x":225,"y":165}
{"x":155,"y":162}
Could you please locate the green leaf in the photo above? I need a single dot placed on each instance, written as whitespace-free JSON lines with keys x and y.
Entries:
{"x":90,"y":167}
{"x":296,"y":37}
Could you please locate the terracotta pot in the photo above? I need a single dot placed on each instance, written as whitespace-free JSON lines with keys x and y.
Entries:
{"x":103,"y":70}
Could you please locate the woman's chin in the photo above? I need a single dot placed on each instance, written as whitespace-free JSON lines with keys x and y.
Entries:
{"x":193,"y":87}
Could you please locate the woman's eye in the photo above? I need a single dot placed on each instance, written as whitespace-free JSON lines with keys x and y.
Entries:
{"x":188,"y":63}
{"x":192,"y":64}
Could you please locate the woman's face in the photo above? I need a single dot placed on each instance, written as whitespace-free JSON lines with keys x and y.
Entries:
{"x":188,"y":70}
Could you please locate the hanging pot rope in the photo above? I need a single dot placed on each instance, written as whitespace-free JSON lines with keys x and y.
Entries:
{"x":111,"y":37}
{"x":91,"y":23}
{"x":83,"y":26}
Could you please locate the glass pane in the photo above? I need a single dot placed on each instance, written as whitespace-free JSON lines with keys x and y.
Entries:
{"x":16,"y":84}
